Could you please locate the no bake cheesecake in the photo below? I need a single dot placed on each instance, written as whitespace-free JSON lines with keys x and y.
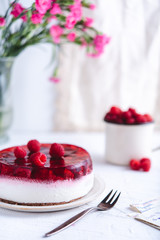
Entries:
{"x":58,"y":180}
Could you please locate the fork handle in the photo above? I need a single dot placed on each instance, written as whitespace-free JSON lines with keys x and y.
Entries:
{"x":70,"y":221}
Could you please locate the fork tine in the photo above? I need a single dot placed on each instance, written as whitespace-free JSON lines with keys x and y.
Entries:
{"x":112,"y":197}
{"x":105,"y":199}
{"x":116,"y":199}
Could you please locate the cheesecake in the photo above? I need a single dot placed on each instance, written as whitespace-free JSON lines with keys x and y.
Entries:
{"x":59,"y":180}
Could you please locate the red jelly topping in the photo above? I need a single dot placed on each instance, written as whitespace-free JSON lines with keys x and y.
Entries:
{"x":75,"y":163}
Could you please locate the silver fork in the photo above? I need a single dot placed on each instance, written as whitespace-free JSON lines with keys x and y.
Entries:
{"x":102,"y":206}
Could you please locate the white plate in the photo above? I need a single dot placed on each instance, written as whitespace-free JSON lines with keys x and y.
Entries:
{"x":96,"y":191}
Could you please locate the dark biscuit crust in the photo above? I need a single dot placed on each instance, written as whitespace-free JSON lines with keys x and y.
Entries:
{"x":35,"y":204}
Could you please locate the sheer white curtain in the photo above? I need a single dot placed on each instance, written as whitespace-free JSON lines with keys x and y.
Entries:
{"x":128,"y":74}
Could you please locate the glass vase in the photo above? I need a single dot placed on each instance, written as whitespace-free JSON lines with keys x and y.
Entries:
{"x":5,"y":97}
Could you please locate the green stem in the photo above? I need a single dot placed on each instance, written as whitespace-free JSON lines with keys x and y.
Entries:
{"x":10,"y":8}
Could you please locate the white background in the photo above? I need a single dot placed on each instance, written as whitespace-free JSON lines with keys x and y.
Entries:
{"x":126,"y":75}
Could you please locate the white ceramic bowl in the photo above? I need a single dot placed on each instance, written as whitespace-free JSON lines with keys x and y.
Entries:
{"x":124,"y":142}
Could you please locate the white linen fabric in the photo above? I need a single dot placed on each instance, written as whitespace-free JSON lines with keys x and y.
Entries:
{"x":127,"y":74}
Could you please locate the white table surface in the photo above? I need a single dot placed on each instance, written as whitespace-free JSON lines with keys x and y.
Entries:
{"x":110,"y":225}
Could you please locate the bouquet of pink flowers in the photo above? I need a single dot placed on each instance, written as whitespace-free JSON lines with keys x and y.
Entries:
{"x":51,"y":21}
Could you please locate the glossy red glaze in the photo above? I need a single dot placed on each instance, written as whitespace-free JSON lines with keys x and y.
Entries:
{"x":75,"y":164}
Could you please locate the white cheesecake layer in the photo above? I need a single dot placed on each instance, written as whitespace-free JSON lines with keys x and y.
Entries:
{"x":22,"y":191}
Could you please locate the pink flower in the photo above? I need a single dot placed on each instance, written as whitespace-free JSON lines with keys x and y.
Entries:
{"x":76,"y":11}
{"x":36,"y":18}
{"x":54,"y":79}
{"x":100,"y":41}
{"x":2,"y":21}
{"x":70,"y":21}
{"x":56,"y":32}
{"x":43,"y":5}
{"x":71,"y":36}
{"x":92,"y":6}
{"x":88,"y":22}
{"x":17,"y":10}
{"x":56,"y":9}
{"x":24,"y":18}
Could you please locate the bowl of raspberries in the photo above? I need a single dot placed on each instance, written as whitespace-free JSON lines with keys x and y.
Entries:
{"x":128,"y":135}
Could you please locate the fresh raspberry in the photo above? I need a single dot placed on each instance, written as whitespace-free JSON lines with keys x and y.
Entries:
{"x":133,"y":112}
{"x":38,"y":159}
{"x":134,"y":164}
{"x":114,"y":118}
{"x":34,"y":146}
{"x":56,"y":150}
{"x":148,"y":117}
{"x":145,"y":164}
{"x":140,"y":118}
{"x":130,"y":120}
{"x":126,"y":115}
{"x":115,"y":110}
{"x":119,"y":120}
{"x":116,"y":115}
{"x":20,"y":152}
{"x":107,"y":117}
